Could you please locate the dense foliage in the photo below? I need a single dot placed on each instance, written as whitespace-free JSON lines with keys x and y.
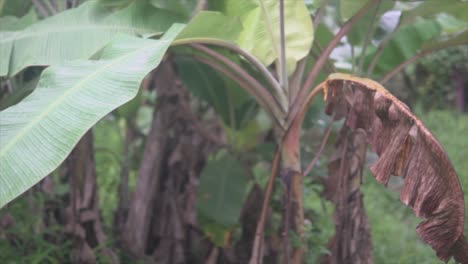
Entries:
{"x":153,"y":130}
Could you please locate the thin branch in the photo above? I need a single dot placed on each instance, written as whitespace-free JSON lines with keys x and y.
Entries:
{"x":257,"y":249}
{"x":330,"y":65}
{"x":370,"y":32}
{"x":321,"y":148}
{"x":299,"y":100}
{"x":316,"y":55}
{"x":319,"y":14}
{"x":283,"y":76}
{"x":243,"y":83}
{"x":277,"y":90}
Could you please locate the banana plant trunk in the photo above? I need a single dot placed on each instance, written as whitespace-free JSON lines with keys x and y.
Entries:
{"x":82,"y":215}
{"x":352,"y":242}
{"x":292,"y":178}
{"x":162,"y":224}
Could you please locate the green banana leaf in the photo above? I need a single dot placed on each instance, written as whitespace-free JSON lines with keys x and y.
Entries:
{"x":38,"y":133}
{"x":222,"y":192}
{"x":260,"y":36}
{"x":407,"y":42}
{"x":77,"y":34}
{"x":431,"y":8}
{"x":12,"y":23}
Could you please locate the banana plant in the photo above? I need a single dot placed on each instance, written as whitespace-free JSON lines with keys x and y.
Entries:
{"x":97,"y":56}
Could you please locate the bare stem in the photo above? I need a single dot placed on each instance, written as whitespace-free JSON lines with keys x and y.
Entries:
{"x":257,"y":249}
{"x":330,"y":65}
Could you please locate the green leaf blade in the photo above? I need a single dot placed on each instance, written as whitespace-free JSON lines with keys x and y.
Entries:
{"x":12,"y":23}
{"x":77,"y":34}
{"x":431,"y":8}
{"x":212,"y":25}
{"x":38,"y":133}
{"x":261,"y":36}
{"x":222,"y":190}
{"x":407,"y":42}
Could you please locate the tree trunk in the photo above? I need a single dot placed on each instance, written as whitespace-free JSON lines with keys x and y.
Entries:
{"x":352,"y":242}
{"x":293,"y":217}
{"x":82,"y":216}
{"x":135,"y":233}
{"x":461,"y":91}
{"x":162,"y":218}
{"x":120,"y":215}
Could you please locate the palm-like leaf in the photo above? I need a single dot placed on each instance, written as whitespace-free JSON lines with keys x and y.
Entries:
{"x":77,"y":34}
{"x":261,"y":35}
{"x":38,"y":133}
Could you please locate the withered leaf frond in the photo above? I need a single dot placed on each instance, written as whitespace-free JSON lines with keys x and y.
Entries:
{"x":408,"y":149}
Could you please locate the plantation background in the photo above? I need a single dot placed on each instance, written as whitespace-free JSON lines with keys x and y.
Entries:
{"x":433,"y":88}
